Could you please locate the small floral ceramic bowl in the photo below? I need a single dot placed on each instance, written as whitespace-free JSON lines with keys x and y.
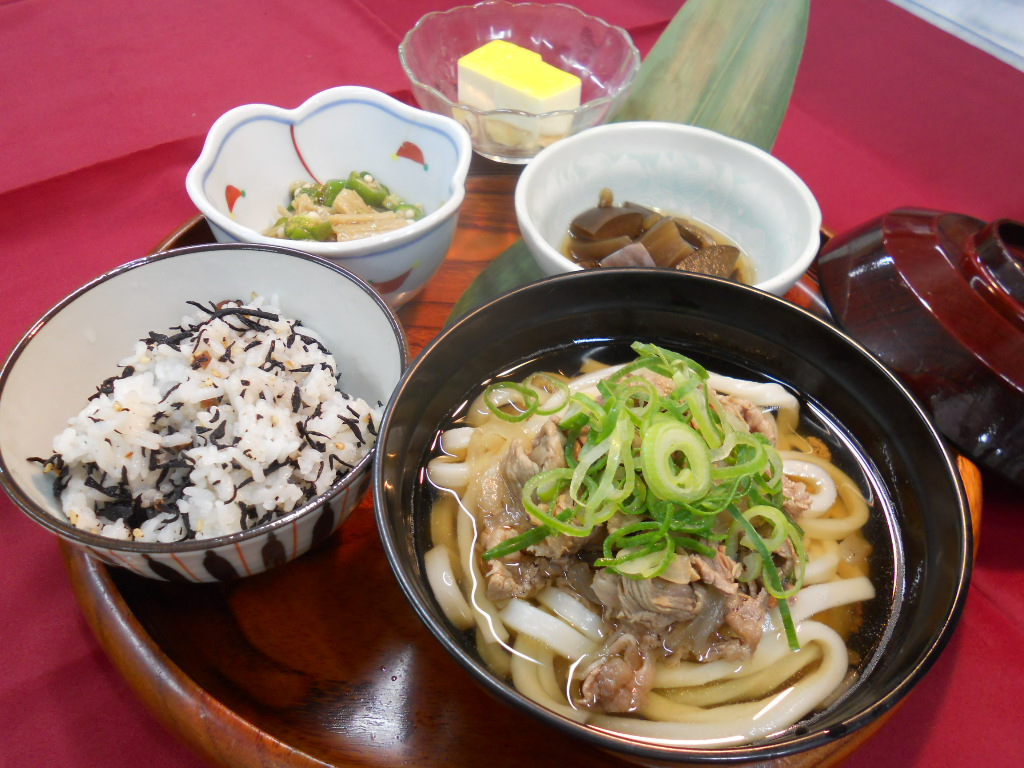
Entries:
{"x":736,"y":189}
{"x":603,"y":56}
{"x":255,"y":152}
{"x":76,"y":346}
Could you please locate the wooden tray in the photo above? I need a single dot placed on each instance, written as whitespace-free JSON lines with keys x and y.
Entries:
{"x":323,"y":662}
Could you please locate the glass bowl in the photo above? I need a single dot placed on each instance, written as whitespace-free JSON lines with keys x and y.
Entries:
{"x":601,"y":55}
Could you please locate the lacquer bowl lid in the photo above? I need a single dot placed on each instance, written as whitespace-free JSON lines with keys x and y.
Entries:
{"x":939,"y":298}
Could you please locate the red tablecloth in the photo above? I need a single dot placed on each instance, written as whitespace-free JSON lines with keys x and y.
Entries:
{"x":105,"y":105}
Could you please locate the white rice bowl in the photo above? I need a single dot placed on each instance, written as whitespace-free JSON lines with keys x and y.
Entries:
{"x":209,"y":429}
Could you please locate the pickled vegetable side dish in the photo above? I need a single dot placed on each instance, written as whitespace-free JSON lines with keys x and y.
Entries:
{"x":342,"y":209}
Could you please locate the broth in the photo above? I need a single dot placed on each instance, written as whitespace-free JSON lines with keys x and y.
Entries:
{"x":861,"y":625}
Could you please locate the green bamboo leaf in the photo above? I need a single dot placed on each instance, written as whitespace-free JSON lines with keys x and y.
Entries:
{"x":513,"y":268}
{"x":726,"y":65}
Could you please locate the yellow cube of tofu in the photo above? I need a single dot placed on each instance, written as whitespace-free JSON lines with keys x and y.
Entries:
{"x":502,"y":75}
{"x":482,"y":69}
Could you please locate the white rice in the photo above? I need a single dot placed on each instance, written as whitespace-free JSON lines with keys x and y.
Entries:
{"x":214,"y":427}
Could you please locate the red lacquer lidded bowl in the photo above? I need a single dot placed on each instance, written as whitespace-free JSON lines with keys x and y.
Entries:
{"x":939,"y":298}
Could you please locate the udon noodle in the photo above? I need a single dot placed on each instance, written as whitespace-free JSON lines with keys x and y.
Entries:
{"x":651,"y":549}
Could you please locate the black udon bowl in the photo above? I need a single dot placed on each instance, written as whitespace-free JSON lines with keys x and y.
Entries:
{"x":737,"y":330}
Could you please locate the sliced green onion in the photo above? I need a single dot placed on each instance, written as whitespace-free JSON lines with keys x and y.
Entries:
{"x":631,"y":536}
{"x":556,"y":400}
{"x":539,"y":484}
{"x":618,"y":476}
{"x":663,"y":474}
{"x":653,"y":351}
{"x":642,"y":562}
{"x":639,"y":396}
{"x":525,"y":539}
{"x":497,"y":396}
{"x":787,"y":622}
{"x":518,"y":542}
{"x":672,"y":465}
{"x":772,"y":578}
{"x":774,"y":518}
{"x":695,"y":545}
{"x":636,"y":502}
{"x":746,"y":456}
{"x":702,"y":417}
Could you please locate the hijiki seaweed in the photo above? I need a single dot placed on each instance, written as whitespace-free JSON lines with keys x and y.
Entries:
{"x":227,"y":421}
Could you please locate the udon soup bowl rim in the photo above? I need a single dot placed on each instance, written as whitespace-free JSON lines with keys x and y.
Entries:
{"x":67,"y":530}
{"x":635,"y":748}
